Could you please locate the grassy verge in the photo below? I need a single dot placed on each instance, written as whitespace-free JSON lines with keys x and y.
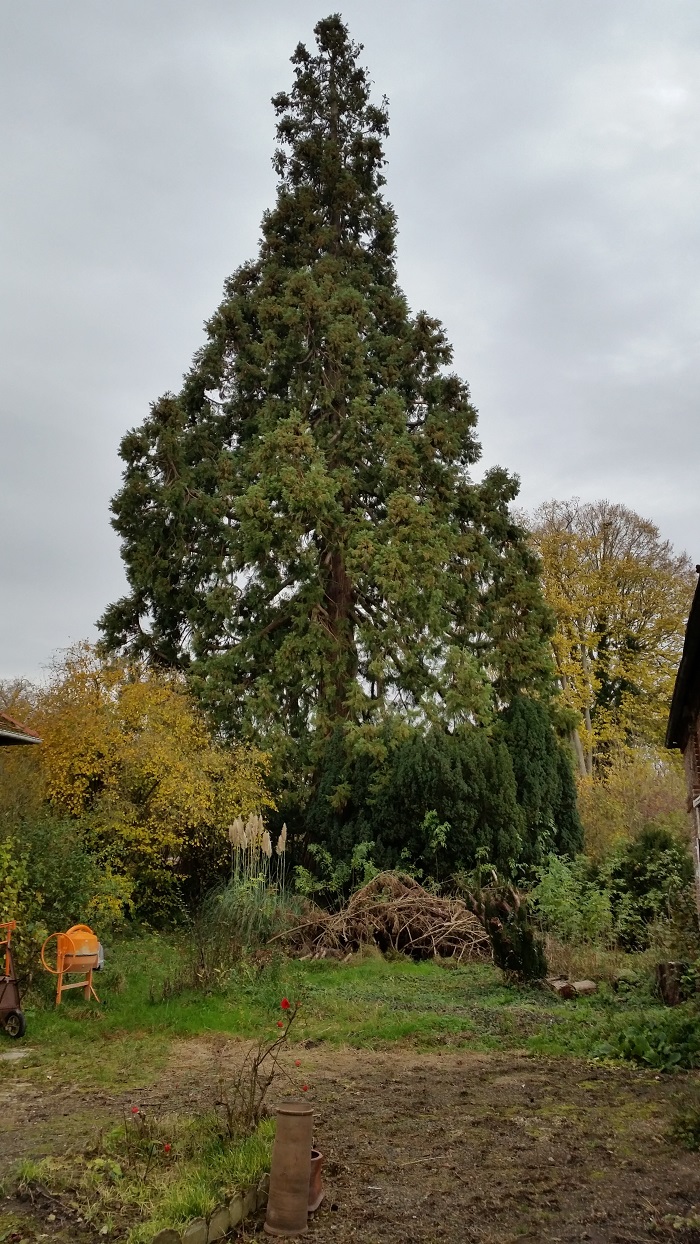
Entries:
{"x":369,"y":1003}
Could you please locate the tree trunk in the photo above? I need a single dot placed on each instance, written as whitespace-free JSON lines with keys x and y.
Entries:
{"x":577,"y":747}
{"x":589,"y":748}
{"x":586,"y":665}
{"x":669,"y":982}
{"x":340,"y":599}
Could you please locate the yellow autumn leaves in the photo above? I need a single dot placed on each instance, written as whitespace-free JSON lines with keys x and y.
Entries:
{"x":621,"y":596}
{"x":127,"y":753}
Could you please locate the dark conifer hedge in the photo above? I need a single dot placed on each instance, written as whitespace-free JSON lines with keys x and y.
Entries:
{"x":508,"y":794}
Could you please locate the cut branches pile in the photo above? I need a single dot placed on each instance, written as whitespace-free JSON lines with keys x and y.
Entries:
{"x":393,"y":912}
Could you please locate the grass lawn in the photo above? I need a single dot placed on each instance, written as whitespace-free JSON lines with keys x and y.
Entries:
{"x":371,"y":1003}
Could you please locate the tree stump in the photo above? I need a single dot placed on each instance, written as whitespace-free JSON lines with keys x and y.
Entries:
{"x":669,"y":982}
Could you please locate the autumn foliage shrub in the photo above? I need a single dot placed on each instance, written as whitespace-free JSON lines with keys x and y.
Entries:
{"x":635,"y":788}
{"x":130,"y":764}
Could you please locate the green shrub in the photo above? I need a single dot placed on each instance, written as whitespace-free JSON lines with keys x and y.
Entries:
{"x":333,"y":880}
{"x":569,"y":905}
{"x":637,"y":890}
{"x":645,"y":880}
{"x":505,"y":915}
{"x":50,"y":880}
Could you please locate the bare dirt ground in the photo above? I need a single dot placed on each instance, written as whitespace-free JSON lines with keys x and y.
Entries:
{"x":467,"y":1148}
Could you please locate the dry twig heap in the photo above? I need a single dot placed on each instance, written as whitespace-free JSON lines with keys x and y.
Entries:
{"x":394,"y":912}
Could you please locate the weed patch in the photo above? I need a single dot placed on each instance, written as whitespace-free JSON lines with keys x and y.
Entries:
{"x":666,"y":1042}
{"x":686,"y":1128}
{"x":150,"y":1173}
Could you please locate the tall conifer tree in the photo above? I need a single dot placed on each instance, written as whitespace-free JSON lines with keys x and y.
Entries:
{"x":299,"y":526}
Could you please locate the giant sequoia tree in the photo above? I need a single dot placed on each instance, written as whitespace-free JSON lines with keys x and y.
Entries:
{"x":299,"y":526}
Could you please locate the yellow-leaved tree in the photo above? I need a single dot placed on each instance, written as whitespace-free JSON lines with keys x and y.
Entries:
{"x":127,"y":754}
{"x":639,"y":787}
{"x":621,"y":596}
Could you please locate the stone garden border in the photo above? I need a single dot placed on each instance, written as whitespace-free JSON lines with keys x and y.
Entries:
{"x":221,"y":1220}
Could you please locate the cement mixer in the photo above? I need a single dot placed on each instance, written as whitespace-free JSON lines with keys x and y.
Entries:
{"x":77,"y":951}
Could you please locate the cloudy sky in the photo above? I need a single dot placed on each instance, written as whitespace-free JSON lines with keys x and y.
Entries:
{"x":544,"y":161}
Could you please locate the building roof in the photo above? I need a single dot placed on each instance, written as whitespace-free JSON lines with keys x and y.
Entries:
{"x":685,"y":704}
{"x":13,"y":732}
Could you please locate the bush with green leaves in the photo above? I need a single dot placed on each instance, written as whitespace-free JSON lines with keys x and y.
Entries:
{"x":637,"y":890}
{"x":50,"y":879}
{"x":569,"y":905}
{"x":645,"y":880}
{"x":332,"y":880}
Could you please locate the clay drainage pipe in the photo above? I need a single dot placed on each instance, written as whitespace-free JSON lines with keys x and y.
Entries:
{"x":288,"y":1201}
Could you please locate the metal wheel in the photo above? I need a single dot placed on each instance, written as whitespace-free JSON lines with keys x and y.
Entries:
{"x":15,"y":1024}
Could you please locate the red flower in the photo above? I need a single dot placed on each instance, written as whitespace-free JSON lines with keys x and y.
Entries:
{"x":304,"y":1088}
{"x":297,"y":1062}
{"x":285,"y":1004}
{"x":280,"y":1023}
{"x":167,"y":1148}
{"x":134,"y":1109}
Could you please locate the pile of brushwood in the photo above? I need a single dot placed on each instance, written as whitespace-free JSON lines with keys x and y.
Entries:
{"x":393,"y":912}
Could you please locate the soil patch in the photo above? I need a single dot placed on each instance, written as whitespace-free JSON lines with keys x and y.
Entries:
{"x":463,"y":1147}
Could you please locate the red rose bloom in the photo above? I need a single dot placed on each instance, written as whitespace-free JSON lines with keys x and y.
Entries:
{"x":285,"y":1004}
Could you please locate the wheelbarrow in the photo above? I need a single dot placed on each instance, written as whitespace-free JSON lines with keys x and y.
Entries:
{"x":11,"y":1015}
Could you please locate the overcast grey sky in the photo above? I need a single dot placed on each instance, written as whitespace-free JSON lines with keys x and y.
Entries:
{"x":544,"y":161}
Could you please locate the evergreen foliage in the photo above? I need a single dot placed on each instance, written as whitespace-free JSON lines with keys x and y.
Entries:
{"x":546,"y":791}
{"x":299,"y":526}
{"x":517,"y":949}
{"x":472,"y":782}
